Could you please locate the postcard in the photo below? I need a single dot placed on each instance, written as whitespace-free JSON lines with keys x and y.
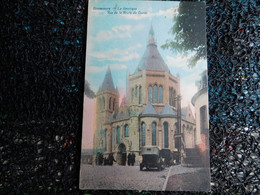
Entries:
{"x":145,"y":118}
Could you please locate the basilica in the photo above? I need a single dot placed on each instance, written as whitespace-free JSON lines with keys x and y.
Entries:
{"x":149,"y":115}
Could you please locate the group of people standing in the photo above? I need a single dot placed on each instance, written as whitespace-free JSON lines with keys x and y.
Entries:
{"x":131,"y":159}
{"x":100,"y":160}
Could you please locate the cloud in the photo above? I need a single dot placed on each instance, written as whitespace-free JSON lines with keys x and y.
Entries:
{"x":117,"y":54}
{"x":117,"y":32}
{"x":182,"y":61}
{"x":179,"y":61}
{"x":169,"y":13}
{"x":188,"y":76}
{"x":188,"y":89}
{"x":96,"y":69}
{"x":188,"y":81}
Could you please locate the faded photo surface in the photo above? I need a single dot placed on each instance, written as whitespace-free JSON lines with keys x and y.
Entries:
{"x":145,"y":122}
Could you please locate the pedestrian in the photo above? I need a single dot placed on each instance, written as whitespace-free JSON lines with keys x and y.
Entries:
{"x":106,"y":161}
{"x":99,"y":159}
{"x":167,"y":160}
{"x":129,"y":159}
{"x":124,"y":159}
{"x":111,"y":159}
{"x":132,"y":159}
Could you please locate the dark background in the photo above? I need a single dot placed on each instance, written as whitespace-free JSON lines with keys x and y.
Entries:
{"x":42,"y":57}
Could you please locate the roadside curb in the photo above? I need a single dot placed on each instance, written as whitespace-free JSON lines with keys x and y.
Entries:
{"x":166,"y":180}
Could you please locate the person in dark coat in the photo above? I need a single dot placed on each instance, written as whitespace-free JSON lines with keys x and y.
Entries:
{"x":132,"y":162}
{"x":99,"y":159}
{"x":124,"y":159}
{"x":129,"y":159}
{"x":106,"y":161}
{"x":111,"y":159}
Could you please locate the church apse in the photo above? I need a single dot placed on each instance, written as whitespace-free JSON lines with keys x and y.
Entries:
{"x":146,"y":116}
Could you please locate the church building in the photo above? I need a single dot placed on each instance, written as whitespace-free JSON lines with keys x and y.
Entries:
{"x":149,"y":115}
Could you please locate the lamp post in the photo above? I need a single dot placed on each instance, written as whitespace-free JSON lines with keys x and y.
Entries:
{"x":179,"y":131}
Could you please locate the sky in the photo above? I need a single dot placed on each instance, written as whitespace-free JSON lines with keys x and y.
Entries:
{"x":118,"y":39}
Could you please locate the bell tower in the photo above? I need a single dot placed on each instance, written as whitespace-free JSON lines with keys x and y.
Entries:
{"x":107,"y":101}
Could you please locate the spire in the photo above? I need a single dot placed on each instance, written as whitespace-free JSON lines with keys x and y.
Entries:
{"x":152,"y":60}
{"x":151,"y":36}
{"x":108,"y":83}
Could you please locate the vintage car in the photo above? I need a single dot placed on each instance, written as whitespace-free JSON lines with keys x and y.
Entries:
{"x":151,"y":158}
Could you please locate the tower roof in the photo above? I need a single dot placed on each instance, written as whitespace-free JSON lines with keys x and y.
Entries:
{"x":108,"y":83}
{"x":148,"y":110}
{"x":152,"y":60}
{"x":168,"y":111}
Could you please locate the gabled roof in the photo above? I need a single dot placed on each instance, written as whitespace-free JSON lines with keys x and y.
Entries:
{"x":148,"y":110}
{"x":167,"y":111}
{"x":108,"y":83}
{"x":152,"y":60}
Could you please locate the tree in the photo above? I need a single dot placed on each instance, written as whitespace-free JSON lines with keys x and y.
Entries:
{"x":189,"y":31}
{"x":88,"y":92}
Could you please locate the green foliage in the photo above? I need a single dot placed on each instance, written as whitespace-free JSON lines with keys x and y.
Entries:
{"x":189,"y":31}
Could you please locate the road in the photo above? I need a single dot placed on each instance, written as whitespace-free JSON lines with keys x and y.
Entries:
{"x":122,"y":178}
{"x":175,"y":178}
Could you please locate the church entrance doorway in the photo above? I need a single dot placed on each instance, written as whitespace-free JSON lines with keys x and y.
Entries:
{"x":121,"y":155}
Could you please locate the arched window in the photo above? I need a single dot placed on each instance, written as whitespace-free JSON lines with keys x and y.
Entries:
{"x":140,"y":94}
{"x":104,"y":103}
{"x":126,"y":131}
{"x":118,"y":134}
{"x":174,"y":98}
{"x":143,"y":134}
{"x":170,"y":96}
{"x":132,"y":95}
{"x":155,"y":93}
{"x":105,"y":139}
{"x":110,"y":102}
{"x":113,"y":136}
{"x":154,"y":133}
{"x":150,"y":95}
{"x":114,"y":104}
{"x":99,"y":104}
{"x":166,"y":135}
{"x":160,"y":94}
{"x":136,"y":91}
